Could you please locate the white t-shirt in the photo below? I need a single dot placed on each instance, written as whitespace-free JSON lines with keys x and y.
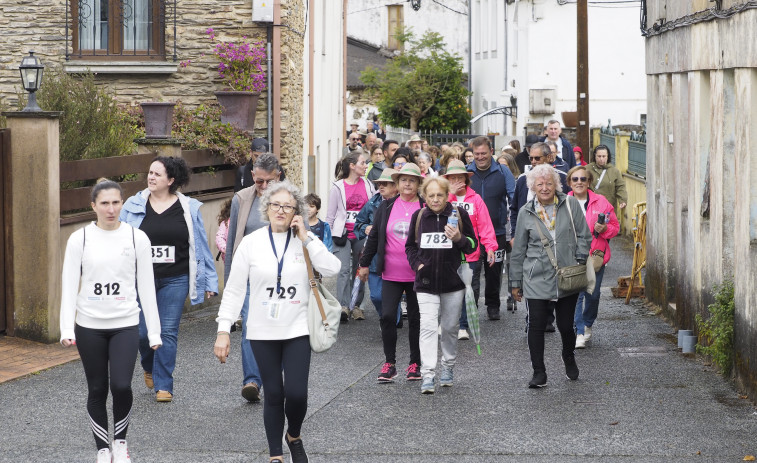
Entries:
{"x":102,"y":270}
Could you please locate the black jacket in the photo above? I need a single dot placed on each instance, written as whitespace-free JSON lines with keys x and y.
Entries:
{"x":375,"y":245}
{"x":439,"y":272}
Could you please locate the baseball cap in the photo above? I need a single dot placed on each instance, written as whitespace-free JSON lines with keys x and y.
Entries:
{"x":260,"y":145}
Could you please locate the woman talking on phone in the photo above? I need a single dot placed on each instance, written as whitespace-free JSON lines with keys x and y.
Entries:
{"x":271,"y":260}
{"x":107,"y":265}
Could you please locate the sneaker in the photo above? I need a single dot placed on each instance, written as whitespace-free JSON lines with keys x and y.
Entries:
{"x":388,"y":373}
{"x":539,"y":380}
{"x":120,"y":452}
{"x":345,"y":317}
{"x":550,"y":328}
{"x":276,"y":460}
{"x":251,"y":392}
{"x":462,"y":334}
{"x":446,"y":377}
{"x":148,"y":380}
{"x":357,"y":314}
{"x":412,"y":372}
{"x":587,"y":333}
{"x":297,"y":451}
{"x":571,"y":369}
{"x":580,"y":341}
{"x":103,"y":456}
{"x":427,"y":387}
{"x":492,"y":313}
{"x":163,"y":396}
{"x":512,"y":306}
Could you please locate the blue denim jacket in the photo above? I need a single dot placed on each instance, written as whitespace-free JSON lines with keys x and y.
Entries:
{"x":202,"y":271}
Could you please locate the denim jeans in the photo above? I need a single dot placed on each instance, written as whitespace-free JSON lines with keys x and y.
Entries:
{"x":375,"y":283}
{"x":348,"y":255}
{"x":587,"y":306}
{"x":170,"y":292}
{"x":250,"y":369}
{"x":476,"y":285}
{"x":438,"y":309}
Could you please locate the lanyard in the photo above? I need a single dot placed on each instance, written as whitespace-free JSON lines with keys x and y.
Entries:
{"x":280,"y":262}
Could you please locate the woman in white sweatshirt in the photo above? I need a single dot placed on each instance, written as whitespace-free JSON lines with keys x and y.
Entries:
{"x":109,"y":260}
{"x":272,"y":261}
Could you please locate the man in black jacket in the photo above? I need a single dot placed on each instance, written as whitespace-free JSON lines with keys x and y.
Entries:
{"x":521,"y":159}
{"x":564,"y":150}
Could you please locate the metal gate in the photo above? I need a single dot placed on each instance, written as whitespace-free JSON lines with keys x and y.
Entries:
{"x":6,"y":312}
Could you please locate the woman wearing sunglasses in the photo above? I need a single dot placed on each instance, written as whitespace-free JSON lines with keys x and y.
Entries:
{"x":603,"y":224}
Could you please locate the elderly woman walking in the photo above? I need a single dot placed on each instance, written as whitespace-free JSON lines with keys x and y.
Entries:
{"x":558,"y":219}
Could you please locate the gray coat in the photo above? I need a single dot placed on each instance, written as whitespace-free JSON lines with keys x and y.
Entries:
{"x":530,"y":268}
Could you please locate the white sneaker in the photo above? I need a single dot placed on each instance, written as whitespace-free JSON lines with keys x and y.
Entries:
{"x":580,"y":341}
{"x":103,"y":456}
{"x":587,"y":333}
{"x":120,"y":452}
{"x":463,"y":334}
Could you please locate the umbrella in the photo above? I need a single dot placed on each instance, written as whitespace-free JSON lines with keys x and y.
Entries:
{"x":356,"y":287}
{"x":471,"y":305}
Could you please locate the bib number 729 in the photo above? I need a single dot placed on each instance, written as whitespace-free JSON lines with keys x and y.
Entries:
{"x":291,"y":290}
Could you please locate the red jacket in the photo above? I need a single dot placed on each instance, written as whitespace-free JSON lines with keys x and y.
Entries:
{"x":482,"y":221}
{"x":595,"y":205}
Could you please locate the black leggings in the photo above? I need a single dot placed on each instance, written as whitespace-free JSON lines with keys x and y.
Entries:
{"x":391,"y":293}
{"x":98,"y":348}
{"x":538,"y":311}
{"x":283,"y":398}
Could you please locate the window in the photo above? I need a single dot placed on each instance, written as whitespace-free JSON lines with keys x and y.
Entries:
{"x":396,"y":24}
{"x":127,"y":29}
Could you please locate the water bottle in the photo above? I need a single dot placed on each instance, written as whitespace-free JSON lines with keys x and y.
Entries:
{"x":453,"y":218}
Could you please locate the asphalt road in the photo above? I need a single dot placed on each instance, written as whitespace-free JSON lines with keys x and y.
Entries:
{"x":638,"y":399}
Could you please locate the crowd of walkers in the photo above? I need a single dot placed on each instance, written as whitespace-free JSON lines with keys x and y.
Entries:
{"x":409,"y":219}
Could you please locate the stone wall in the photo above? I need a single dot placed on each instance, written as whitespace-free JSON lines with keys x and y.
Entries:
{"x":40,"y":25}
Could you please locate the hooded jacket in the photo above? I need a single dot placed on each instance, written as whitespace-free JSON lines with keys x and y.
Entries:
{"x":597,"y":204}
{"x":439,"y":272}
{"x":481,"y":221}
{"x":613,"y":187}
{"x":530,"y":267}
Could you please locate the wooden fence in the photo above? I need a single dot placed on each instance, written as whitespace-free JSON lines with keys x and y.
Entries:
{"x":211,"y":175}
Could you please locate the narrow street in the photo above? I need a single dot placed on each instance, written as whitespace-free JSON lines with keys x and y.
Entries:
{"x":637,"y":400}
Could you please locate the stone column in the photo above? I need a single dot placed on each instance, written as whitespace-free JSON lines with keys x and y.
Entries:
{"x":35,"y":193}
{"x":160,"y":146}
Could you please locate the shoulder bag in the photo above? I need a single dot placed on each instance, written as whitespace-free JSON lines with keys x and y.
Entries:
{"x":573,"y":278}
{"x":324,"y":311}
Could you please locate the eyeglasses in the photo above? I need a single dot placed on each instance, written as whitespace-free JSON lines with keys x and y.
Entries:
{"x":261,"y":181}
{"x":579,"y":179}
{"x":534,"y":158}
{"x":354,"y":139}
{"x":275,"y":207}
{"x":399,"y":164}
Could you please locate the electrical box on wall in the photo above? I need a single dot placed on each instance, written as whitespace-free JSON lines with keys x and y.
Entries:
{"x":262,"y":11}
{"x":542,"y":100}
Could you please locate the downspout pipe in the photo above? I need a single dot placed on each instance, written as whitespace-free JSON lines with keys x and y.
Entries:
{"x":268,"y":87}
{"x":470,"y":54}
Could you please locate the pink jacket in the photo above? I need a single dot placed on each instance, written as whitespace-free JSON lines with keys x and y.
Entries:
{"x":221,"y":235}
{"x":482,"y":222}
{"x":597,"y":204}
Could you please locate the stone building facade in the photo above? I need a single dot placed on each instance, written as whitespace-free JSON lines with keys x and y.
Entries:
{"x":701,"y":69}
{"x":40,"y":25}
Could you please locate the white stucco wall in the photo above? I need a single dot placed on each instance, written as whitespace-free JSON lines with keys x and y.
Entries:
{"x":541,"y":53}
{"x":367,"y":20}
{"x":328,"y":97}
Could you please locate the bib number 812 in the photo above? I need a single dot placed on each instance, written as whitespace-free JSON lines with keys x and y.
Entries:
{"x":111,"y":289}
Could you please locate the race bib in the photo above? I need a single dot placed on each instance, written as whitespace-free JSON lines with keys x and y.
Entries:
{"x":435,"y":241}
{"x":499,"y":255}
{"x":467,"y":207}
{"x":352,"y":216}
{"x":102,"y":292}
{"x":163,"y":254}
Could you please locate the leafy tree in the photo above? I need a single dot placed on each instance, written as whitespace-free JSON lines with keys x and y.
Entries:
{"x":421,"y":87}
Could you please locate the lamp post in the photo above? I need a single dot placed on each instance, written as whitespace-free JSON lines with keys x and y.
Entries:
{"x":31,"y":74}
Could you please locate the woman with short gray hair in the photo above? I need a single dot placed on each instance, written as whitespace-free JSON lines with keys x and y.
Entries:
{"x":557,"y":219}
{"x":271,"y":262}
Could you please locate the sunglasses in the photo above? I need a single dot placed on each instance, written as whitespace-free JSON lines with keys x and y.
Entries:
{"x":399,"y":164}
{"x":579,"y":179}
{"x":534,"y":158}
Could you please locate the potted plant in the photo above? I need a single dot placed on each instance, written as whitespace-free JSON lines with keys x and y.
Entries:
{"x":240,"y":69}
{"x":158,"y":119}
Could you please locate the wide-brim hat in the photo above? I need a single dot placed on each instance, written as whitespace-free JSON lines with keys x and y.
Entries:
{"x":456,"y":167}
{"x":415,"y":137}
{"x":386,"y":175}
{"x":408,"y":169}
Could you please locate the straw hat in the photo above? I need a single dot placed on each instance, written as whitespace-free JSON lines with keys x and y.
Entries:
{"x":386,"y":175}
{"x":415,"y":137}
{"x":408,"y":169}
{"x":456,"y":167}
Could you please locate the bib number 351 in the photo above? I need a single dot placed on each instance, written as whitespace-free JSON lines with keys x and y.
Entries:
{"x":163,"y":254}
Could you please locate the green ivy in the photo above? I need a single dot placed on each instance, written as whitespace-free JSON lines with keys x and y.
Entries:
{"x":717,"y":329}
